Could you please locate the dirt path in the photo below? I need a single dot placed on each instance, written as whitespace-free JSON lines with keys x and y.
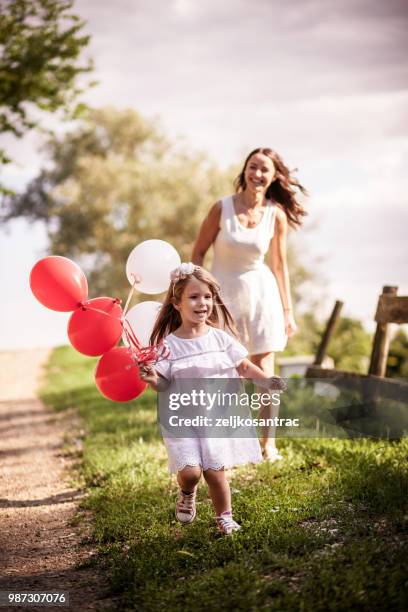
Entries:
{"x":40,"y":550}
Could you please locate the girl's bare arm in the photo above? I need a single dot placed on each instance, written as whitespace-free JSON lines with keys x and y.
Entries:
{"x":249,"y":370}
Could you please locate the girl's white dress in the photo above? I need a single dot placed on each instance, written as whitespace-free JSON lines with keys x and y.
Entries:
{"x":216,"y":354}
{"x":248,"y":287}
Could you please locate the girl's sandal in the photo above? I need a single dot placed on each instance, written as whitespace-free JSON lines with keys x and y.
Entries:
{"x":186,"y":507}
{"x":226,"y":524}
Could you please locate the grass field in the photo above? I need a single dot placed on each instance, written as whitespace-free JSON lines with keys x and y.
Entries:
{"x":325,"y":529}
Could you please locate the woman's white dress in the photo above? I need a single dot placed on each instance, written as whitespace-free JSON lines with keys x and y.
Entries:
{"x":248,"y":286}
{"x":213,"y":355}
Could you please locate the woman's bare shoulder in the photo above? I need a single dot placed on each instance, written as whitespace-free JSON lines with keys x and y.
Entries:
{"x":280,"y":211}
{"x":207,"y":233}
{"x":214,"y":214}
{"x":217,"y":207}
{"x":281,"y":217}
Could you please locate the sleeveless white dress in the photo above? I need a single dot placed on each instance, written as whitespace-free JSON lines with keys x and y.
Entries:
{"x":213,"y":355}
{"x":248,"y":286}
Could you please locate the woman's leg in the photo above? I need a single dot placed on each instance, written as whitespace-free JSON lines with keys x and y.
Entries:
{"x":266,"y":361}
{"x":219,"y":489}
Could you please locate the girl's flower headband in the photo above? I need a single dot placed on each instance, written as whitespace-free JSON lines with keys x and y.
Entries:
{"x":184,"y":270}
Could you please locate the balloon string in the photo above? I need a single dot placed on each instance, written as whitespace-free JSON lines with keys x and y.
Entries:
{"x":130,"y":335}
{"x":144,"y":354}
{"x":84,"y":306}
{"x":136,"y":280}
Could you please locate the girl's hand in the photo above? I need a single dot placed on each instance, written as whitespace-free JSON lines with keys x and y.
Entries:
{"x":290,"y":323}
{"x":148,"y":373}
{"x":273,"y":383}
{"x":276,"y":383}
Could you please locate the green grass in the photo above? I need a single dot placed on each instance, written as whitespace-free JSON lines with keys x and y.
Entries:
{"x":323,"y":530}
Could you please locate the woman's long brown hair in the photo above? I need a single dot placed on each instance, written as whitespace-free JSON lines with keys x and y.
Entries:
{"x":169,"y":319}
{"x":282,"y":189}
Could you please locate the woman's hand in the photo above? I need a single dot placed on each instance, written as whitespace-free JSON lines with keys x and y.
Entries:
{"x":290,"y":323}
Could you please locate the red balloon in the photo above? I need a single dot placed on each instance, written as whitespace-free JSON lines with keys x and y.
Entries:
{"x":58,"y":283}
{"x":117,"y":375}
{"x":94,"y":333}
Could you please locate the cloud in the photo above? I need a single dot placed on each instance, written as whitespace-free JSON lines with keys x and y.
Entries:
{"x":306,"y":49}
{"x":311,"y":78}
{"x":325,"y":83}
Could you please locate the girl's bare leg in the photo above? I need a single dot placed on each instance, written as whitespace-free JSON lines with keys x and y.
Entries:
{"x":188,"y":478}
{"x":219,"y":489}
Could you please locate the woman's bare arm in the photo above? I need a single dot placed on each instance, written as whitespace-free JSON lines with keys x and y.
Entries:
{"x":207,"y":234}
{"x":279,"y":265}
{"x":278,"y":258}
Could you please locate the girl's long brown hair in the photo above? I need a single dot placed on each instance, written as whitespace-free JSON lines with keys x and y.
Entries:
{"x":169,"y":319}
{"x":282,"y":189}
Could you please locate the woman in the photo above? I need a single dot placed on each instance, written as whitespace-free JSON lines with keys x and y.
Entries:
{"x":243,"y":228}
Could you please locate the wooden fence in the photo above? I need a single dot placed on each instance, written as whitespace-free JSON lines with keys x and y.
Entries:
{"x":391,"y":308}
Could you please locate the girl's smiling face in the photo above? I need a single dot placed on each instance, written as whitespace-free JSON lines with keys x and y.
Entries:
{"x":196,"y":302}
{"x":259,"y":172}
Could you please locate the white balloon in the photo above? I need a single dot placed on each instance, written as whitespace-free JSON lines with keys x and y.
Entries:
{"x":152,"y":261}
{"x":142,"y":318}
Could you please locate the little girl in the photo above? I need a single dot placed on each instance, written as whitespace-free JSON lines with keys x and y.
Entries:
{"x":190,"y":320}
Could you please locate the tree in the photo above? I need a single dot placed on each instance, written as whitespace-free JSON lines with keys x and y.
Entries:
{"x":307,"y":338}
{"x":350,"y":346}
{"x":397,"y":363}
{"x":40,"y":44}
{"x":117,"y":180}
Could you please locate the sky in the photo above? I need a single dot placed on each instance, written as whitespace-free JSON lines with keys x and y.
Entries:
{"x":324,"y":83}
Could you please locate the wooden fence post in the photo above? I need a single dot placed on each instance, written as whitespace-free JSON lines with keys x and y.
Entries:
{"x":381,"y":343}
{"x":321,"y":351}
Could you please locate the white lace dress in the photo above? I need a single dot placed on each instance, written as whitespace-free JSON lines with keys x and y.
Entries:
{"x":248,"y":287}
{"x":216,"y":354}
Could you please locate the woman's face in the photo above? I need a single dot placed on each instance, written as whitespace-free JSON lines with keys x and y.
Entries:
{"x":259,"y":173}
